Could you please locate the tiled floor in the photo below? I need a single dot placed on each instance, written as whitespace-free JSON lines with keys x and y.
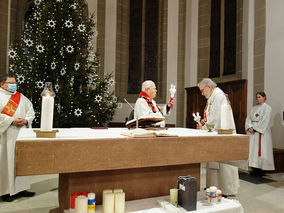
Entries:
{"x":256,"y":195}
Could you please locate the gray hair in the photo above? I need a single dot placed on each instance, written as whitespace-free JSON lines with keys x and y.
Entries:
{"x":207,"y":82}
{"x":147,"y":84}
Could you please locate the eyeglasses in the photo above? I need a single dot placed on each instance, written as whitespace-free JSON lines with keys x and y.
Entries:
{"x":10,"y":82}
{"x":201,"y":90}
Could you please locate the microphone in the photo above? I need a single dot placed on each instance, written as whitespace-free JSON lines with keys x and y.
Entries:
{"x":128,"y":103}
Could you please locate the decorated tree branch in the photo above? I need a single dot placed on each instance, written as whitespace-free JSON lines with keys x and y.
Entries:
{"x":56,"y":47}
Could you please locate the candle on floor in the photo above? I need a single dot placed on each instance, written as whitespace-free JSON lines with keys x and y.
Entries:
{"x":119,"y":202}
{"x":108,"y":200}
{"x":104,"y":192}
{"x":81,"y":204}
{"x":174,"y":196}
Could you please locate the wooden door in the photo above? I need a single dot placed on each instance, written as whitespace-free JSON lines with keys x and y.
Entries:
{"x":237,"y":93}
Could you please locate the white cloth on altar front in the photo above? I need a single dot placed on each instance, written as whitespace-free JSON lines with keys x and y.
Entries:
{"x":259,"y":119}
{"x":222,"y":175}
{"x":10,"y":184}
{"x":142,"y":109}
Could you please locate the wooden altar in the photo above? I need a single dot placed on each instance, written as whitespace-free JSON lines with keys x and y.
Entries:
{"x":142,"y":167}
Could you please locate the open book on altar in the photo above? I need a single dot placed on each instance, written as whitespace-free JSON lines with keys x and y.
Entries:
{"x":143,"y":133}
{"x":144,"y":122}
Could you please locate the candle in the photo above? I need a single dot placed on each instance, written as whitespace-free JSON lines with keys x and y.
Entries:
{"x":119,"y":202}
{"x":117,"y":190}
{"x":108,"y":201}
{"x":47,"y":113}
{"x":104,"y":192}
{"x":174,"y":196}
{"x":81,"y":204}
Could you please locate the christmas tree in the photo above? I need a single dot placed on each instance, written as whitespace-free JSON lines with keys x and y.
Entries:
{"x":56,"y":47}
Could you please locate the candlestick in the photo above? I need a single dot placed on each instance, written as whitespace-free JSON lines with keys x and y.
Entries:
{"x":47,"y":106}
{"x":81,"y":204}
{"x":108,"y":202}
{"x":119,"y":202}
{"x":174,"y":196}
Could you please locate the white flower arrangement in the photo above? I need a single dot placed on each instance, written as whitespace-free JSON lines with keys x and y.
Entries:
{"x":37,"y":15}
{"x":40,"y":84}
{"x":70,"y":49}
{"x":68,"y":23}
{"x":81,"y":28}
{"x":78,"y":112}
{"x":37,"y":2}
{"x":51,"y":23}
{"x":20,"y":79}
{"x":40,"y":48}
{"x":53,"y":65}
{"x":76,"y":66}
{"x":56,"y":87}
{"x":29,"y":42}
{"x":98,"y":98}
{"x":12,"y":53}
{"x":62,"y":72}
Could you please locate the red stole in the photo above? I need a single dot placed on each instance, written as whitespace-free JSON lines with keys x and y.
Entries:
{"x":12,"y":105}
{"x":149,"y":101}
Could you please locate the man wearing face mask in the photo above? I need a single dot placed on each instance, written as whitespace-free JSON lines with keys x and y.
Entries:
{"x":16,"y":112}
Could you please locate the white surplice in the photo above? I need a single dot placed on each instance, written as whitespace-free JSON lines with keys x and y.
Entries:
{"x":142,"y":109}
{"x":259,"y":119}
{"x":221,"y":175}
{"x":9,"y":184}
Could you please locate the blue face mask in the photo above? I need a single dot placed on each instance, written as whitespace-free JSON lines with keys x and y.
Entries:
{"x":12,"y":87}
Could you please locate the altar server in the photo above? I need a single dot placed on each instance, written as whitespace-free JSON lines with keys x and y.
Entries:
{"x":145,"y":105}
{"x":16,"y":112}
{"x":258,"y":128}
{"x":218,"y":174}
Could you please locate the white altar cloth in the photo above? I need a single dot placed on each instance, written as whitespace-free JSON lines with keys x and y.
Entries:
{"x":150,"y":205}
{"x":88,"y":133}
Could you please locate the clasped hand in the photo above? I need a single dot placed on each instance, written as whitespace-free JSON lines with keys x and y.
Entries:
{"x":19,"y":122}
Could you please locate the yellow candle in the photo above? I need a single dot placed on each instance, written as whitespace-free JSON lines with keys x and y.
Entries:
{"x":108,"y":202}
{"x":119,"y":202}
{"x":174,"y":196}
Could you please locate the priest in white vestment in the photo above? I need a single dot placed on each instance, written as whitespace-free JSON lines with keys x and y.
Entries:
{"x":16,"y":112}
{"x":258,"y":129}
{"x":221,"y":175}
{"x":146,"y":106}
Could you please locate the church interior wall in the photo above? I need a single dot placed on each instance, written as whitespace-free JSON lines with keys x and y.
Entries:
{"x":3,"y":34}
{"x":274,"y":63}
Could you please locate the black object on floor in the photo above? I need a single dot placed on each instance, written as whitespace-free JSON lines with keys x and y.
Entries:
{"x":9,"y":198}
{"x":254,"y":179}
{"x":26,"y":194}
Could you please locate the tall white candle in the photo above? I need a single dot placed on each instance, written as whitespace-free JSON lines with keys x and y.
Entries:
{"x":119,"y":202}
{"x":47,"y":106}
{"x":108,"y":203}
{"x":104,"y":192}
{"x":81,"y":204}
{"x":174,"y":196}
{"x":117,"y":190}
